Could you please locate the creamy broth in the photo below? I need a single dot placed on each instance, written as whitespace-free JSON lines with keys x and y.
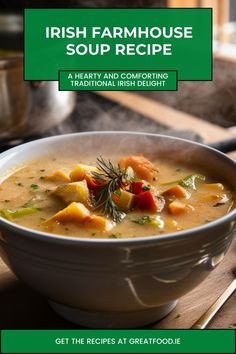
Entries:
{"x":29,"y":187}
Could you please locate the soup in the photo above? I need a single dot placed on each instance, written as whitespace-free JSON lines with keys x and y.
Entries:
{"x":129,"y":196}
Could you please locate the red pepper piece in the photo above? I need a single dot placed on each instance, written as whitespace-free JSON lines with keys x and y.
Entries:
{"x":139,"y":187}
{"x":147,"y":201}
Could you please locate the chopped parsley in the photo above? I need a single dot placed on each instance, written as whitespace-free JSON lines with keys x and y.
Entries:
{"x":34,"y":186}
{"x":146,"y":188}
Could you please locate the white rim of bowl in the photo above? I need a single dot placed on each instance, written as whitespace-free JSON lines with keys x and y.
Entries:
{"x":50,"y":237}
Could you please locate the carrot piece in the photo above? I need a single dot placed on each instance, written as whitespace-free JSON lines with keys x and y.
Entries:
{"x":177,"y":191}
{"x":92,"y":183}
{"x":143,"y":168}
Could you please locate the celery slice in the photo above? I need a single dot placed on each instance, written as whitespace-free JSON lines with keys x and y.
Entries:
{"x":10,"y":214}
{"x":188,"y":181}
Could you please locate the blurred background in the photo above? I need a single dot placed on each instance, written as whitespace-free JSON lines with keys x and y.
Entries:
{"x":204,"y":111}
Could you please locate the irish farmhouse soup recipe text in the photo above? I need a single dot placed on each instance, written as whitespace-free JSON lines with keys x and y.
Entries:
{"x":131,"y":196}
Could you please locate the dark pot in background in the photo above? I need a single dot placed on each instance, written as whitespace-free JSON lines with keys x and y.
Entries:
{"x":26,"y":108}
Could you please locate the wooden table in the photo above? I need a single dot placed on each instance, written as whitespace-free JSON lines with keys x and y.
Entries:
{"x":22,"y":307}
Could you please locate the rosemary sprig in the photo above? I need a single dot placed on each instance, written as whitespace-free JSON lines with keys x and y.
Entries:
{"x":112,"y":178}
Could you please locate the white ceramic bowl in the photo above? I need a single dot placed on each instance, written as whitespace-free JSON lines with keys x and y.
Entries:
{"x":122,"y":283}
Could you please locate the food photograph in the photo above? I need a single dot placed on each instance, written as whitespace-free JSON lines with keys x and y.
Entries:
{"x":117,"y":208}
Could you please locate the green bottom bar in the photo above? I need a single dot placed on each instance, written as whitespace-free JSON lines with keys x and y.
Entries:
{"x":118,"y":341}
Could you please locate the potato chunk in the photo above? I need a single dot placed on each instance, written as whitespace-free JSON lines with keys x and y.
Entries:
{"x":75,"y":212}
{"x":79,"y":172}
{"x":123,"y":199}
{"x":73,"y":192}
{"x":217,"y":187}
{"x":60,"y":176}
{"x":143,"y":168}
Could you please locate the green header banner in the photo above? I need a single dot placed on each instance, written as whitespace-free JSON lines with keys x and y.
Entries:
{"x":118,"y":341}
{"x":118,"y":40}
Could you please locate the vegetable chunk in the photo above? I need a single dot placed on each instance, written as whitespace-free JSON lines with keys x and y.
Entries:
{"x":79,"y":172}
{"x":75,"y":212}
{"x":73,"y":192}
{"x":21,"y":212}
{"x":123,"y":199}
{"x":59,"y":176}
{"x":149,"y":202}
{"x":177,"y":191}
{"x":218,"y":187}
{"x":143,"y":168}
{"x":140,"y":186}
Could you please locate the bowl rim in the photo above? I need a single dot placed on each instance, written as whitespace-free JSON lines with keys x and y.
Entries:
{"x":50,"y":237}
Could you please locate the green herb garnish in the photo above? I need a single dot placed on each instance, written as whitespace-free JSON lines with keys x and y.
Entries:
{"x":112,"y":179}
